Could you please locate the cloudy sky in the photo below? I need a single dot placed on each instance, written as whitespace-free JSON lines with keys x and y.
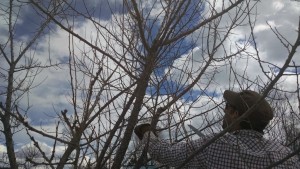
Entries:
{"x":53,"y":90}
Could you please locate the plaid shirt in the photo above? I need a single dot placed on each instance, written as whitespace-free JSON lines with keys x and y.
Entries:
{"x":244,"y":149}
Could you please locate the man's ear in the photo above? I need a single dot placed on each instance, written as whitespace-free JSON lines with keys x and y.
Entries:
{"x":235,"y":114}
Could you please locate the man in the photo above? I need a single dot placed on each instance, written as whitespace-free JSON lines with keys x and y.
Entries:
{"x":243,"y":147}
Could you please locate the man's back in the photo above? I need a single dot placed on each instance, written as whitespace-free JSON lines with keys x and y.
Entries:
{"x":244,"y":149}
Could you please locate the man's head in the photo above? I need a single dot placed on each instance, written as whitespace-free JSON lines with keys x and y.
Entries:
{"x":238,"y":103}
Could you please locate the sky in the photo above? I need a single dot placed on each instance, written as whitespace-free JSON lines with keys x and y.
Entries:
{"x":52,"y":93}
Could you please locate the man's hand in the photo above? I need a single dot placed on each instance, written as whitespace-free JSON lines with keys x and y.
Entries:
{"x":141,"y":129}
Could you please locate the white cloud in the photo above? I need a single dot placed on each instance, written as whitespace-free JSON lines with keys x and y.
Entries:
{"x":2,"y":149}
{"x":280,"y":15}
{"x":278,"y":5}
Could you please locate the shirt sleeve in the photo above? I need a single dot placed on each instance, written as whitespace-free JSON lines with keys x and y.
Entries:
{"x":166,"y":153}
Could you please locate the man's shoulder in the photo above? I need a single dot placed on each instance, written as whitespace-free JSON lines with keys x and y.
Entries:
{"x":239,"y":138}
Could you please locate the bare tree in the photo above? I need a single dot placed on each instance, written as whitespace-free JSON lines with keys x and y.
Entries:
{"x":18,"y":70}
{"x":154,"y":61}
